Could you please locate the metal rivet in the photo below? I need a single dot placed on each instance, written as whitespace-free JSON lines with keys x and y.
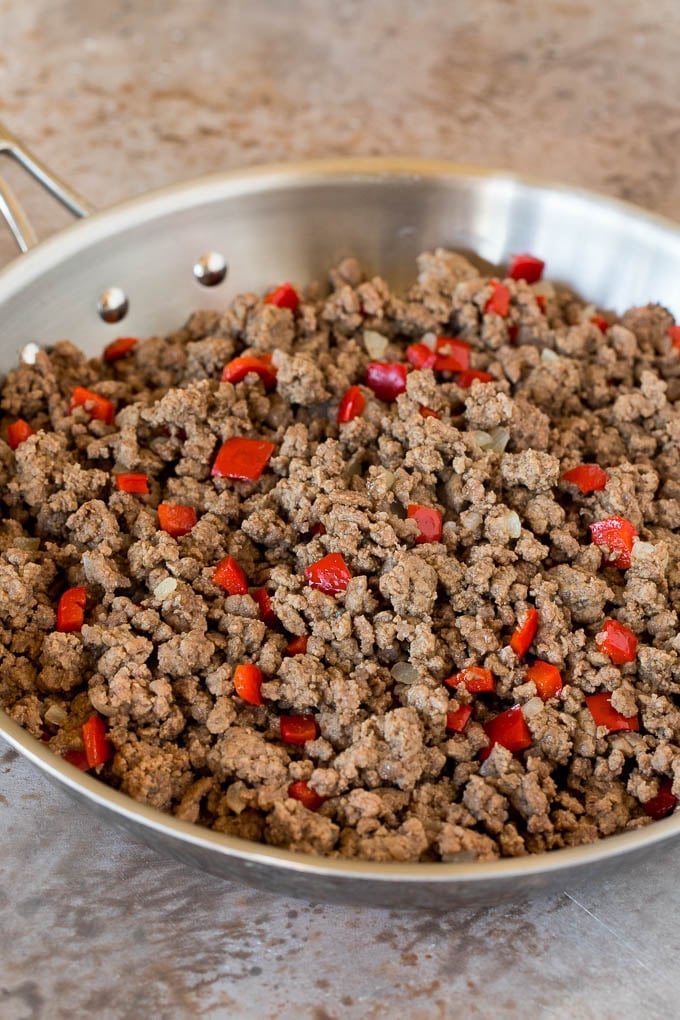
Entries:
{"x":29,"y":353}
{"x":113,"y":305}
{"x":210,"y":269}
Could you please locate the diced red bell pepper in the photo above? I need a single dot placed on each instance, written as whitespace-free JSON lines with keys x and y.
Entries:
{"x":477,"y":680}
{"x":526,"y":267}
{"x":351,"y":405}
{"x":601,"y":323}
{"x":119,"y":348}
{"x":97,"y":407}
{"x":248,"y":683}
{"x":387,"y":379}
{"x":587,"y":477}
{"x":664,"y":802}
{"x":18,"y":432}
{"x":77,"y":758}
{"x":617,"y":534}
{"x":617,"y":641}
{"x":499,"y":302}
{"x":453,"y":355}
{"x":509,"y":729}
{"x":546,"y":677}
{"x":301,"y":791}
{"x":330,"y":574}
{"x":427,"y":412}
{"x":600,"y":707}
{"x":283,"y":296}
{"x":71,"y":610}
{"x":540,"y":301}
{"x":297,"y":729}
{"x":242,"y":458}
{"x":297,"y":645}
{"x":465,"y":379}
{"x":522,"y":638}
{"x":429,"y":522}
{"x":230,"y":575}
{"x":97,"y":746}
{"x":420,"y":356}
{"x":264,"y":605}
{"x":176,"y":520}
{"x":458,"y":720}
{"x":236,"y":370}
{"x":674,"y":334}
{"x":135,"y":484}
{"x":318,"y":528}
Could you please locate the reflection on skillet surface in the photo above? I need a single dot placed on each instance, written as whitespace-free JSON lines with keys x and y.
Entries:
{"x":371,"y":575}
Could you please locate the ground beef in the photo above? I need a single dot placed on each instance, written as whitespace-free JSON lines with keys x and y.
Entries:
{"x":388,"y":772}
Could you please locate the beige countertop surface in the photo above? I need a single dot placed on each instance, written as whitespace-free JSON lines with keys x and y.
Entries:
{"x":119,"y":98}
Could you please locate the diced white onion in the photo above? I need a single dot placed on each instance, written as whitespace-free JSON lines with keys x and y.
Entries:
{"x":165,"y":588}
{"x":547,"y":354}
{"x":55,"y":715}
{"x":587,"y":313}
{"x":404,"y":672}
{"x":430,"y":340}
{"x":499,"y":439}
{"x":512,"y":524}
{"x":483,"y":439}
{"x":375,"y":343}
{"x":544,"y":287}
{"x":234,"y":797}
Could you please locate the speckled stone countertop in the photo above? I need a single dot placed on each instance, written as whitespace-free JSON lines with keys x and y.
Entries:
{"x":119,"y":98}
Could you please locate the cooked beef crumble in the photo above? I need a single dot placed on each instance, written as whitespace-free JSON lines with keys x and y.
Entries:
{"x":398,"y":766}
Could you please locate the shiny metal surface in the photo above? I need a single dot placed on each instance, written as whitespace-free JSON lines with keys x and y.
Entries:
{"x":113,"y":305}
{"x":210,"y":269}
{"x":292,"y":222}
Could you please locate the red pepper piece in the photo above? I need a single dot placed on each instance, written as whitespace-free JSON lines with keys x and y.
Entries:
{"x":297,"y":729}
{"x":97,"y":407}
{"x":601,"y":323}
{"x":617,"y":641}
{"x":546,"y":677}
{"x":386,"y":378}
{"x":71,"y":610}
{"x":664,"y":802}
{"x":600,"y":707}
{"x":248,"y":683}
{"x":330,"y":574}
{"x":98,"y":748}
{"x":119,"y":348}
{"x":319,"y":528}
{"x":522,"y":638}
{"x":77,"y":758}
{"x":284,"y":296}
{"x":135,"y":484}
{"x":230,"y":576}
{"x":428,"y":520}
{"x":588,"y":477}
{"x":420,"y":356}
{"x":453,"y":355}
{"x":18,"y":432}
{"x":301,"y":791}
{"x":236,"y":370}
{"x":242,"y":458}
{"x":297,"y":645}
{"x":427,"y":412}
{"x":466,"y":378}
{"x":458,"y":720}
{"x":477,"y":679}
{"x":176,"y":520}
{"x":526,"y":267}
{"x":617,"y":534}
{"x":540,"y":301}
{"x":674,"y":334}
{"x":351,"y":405}
{"x":264,"y":605}
{"x":508,"y":729}
{"x":499,"y":302}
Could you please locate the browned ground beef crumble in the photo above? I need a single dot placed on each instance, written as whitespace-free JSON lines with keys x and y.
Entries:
{"x":159,"y":668}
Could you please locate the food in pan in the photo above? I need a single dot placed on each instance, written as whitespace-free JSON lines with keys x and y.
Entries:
{"x":362,"y":574}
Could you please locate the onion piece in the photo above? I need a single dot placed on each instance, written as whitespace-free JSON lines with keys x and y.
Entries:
{"x":165,"y":587}
{"x":547,"y":354}
{"x":511,"y":524}
{"x":55,"y":715}
{"x":430,"y":340}
{"x":500,"y":438}
{"x":405,"y":672}
{"x":483,"y":439}
{"x":375,"y":343}
{"x":234,"y":797}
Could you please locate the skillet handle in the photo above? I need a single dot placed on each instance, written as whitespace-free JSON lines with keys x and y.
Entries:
{"x":10,"y":207}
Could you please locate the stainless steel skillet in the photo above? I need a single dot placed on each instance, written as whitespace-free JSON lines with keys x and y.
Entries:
{"x":292,"y":222}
